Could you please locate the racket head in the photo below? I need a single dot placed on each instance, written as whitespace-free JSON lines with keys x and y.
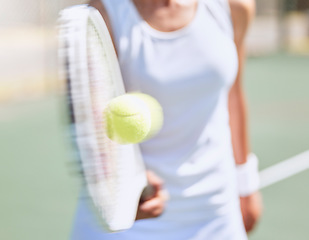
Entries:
{"x":114,"y":174}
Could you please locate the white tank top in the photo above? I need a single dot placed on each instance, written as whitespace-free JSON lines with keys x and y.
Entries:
{"x":190,"y":72}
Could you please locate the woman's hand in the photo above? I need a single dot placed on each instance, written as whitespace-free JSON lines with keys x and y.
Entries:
{"x":154,"y":206}
{"x":251,"y":208}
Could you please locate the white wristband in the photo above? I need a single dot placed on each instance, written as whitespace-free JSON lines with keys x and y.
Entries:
{"x":248,"y":176}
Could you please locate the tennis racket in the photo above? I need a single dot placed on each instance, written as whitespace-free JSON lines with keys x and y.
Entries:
{"x":114,"y":174}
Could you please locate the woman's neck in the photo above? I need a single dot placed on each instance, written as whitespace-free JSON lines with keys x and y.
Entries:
{"x":165,"y":3}
{"x":166,"y":15}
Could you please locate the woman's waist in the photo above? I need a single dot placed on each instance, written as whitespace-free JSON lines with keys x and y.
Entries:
{"x":202,"y":205}
{"x":208,"y":183}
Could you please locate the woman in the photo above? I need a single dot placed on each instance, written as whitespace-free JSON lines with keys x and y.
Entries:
{"x":189,"y":55}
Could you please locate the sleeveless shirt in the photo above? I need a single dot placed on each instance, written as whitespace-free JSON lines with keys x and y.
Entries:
{"x":189,"y":71}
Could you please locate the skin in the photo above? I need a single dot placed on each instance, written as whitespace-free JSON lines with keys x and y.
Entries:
{"x":153,"y":207}
{"x":242,"y":12}
{"x":171,"y":15}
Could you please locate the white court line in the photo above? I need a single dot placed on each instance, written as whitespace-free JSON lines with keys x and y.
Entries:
{"x":284,"y":169}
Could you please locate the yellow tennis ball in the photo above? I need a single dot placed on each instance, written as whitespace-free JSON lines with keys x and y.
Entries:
{"x":156,"y":113}
{"x":133,"y":118}
{"x":128,"y":119}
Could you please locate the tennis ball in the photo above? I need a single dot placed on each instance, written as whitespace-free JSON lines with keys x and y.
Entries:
{"x":133,"y":118}
{"x":156,"y":113}
{"x":128,"y":119}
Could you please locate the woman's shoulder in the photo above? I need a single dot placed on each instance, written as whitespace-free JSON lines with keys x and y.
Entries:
{"x":243,"y":8}
{"x":242,"y":12}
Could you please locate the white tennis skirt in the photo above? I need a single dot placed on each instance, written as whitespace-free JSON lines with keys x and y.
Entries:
{"x":225,"y":226}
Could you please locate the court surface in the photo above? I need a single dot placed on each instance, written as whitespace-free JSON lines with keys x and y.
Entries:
{"x":39,"y":185}
{"x":278,"y":92}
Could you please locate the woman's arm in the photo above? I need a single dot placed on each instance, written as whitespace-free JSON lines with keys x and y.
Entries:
{"x":242,"y":12}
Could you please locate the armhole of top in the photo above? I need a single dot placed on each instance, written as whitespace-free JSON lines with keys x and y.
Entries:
{"x":227,"y":6}
{"x":221,"y":12}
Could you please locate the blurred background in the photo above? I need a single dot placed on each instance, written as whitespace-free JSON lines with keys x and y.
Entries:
{"x":38,"y":188}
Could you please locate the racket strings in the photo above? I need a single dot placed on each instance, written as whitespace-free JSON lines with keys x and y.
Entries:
{"x":105,"y":165}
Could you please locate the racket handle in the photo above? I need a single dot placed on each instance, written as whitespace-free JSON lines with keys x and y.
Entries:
{"x":148,"y":193}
